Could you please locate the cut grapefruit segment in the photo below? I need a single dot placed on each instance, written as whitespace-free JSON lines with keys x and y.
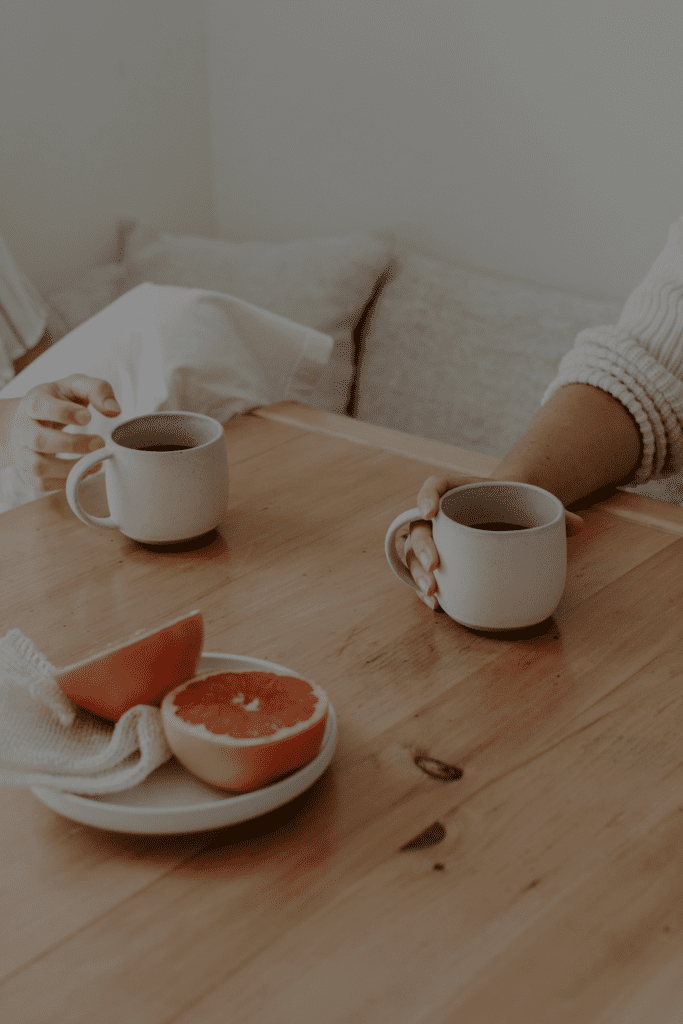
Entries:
{"x":242,"y":730}
{"x":139,"y":671}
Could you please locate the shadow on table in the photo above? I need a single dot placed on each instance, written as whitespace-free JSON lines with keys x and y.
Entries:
{"x":193,"y":544}
{"x":602,"y":494}
{"x":301,"y":820}
{"x":548,"y":629}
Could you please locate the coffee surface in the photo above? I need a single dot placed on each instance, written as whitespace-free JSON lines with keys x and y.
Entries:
{"x":162,"y":447}
{"x":497,"y":526}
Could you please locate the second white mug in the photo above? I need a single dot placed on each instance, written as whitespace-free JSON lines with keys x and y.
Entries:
{"x":494,"y":577}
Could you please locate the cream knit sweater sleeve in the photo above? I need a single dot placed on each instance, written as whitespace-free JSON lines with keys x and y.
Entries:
{"x":640,"y":361}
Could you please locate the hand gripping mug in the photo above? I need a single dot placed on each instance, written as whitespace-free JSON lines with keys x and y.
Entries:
{"x":502,"y":554}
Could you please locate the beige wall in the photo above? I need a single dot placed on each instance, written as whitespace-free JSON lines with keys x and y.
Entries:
{"x":103,"y":111}
{"x":538,"y":139}
{"x":535,"y":138}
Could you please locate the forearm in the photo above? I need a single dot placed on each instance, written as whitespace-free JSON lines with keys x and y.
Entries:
{"x":582,"y":439}
{"x":8,"y":407}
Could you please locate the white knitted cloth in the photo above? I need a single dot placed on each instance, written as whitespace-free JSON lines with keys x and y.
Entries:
{"x":46,"y":740}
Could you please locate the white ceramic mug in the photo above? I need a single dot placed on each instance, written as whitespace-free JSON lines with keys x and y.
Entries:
{"x":487,"y":579}
{"x":159,"y":497}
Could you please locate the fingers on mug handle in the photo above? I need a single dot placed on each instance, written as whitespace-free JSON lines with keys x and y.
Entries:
{"x":424,"y":579}
{"x":393,"y":558}
{"x":422,"y":543}
{"x":390,"y":545}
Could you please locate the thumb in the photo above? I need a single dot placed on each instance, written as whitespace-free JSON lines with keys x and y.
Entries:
{"x":84,"y":390}
{"x":573,"y":523}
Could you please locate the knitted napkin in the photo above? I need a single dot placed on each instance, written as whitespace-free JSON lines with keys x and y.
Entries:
{"x":47,"y":740}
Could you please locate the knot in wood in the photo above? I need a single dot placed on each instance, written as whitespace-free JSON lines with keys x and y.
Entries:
{"x":438,"y":769}
{"x":430,"y":837}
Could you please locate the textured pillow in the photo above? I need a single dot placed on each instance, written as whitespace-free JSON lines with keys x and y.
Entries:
{"x":465,"y":357}
{"x":323,"y":283}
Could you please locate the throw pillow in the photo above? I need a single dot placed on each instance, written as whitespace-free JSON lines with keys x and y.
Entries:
{"x":465,"y":357}
{"x":323,"y":283}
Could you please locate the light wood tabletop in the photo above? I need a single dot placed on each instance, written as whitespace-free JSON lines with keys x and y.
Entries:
{"x":499,"y":837}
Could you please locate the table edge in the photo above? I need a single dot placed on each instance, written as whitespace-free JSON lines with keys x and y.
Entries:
{"x":651,"y":512}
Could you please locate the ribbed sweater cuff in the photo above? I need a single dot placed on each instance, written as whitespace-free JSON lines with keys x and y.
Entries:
{"x":610,"y":359}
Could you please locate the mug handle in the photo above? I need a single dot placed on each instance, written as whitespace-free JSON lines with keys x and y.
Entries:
{"x":412,"y":516}
{"x":76,"y":474}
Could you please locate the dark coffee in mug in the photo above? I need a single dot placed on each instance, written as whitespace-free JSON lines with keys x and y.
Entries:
{"x":498,"y":526}
{"x":162,"y":447}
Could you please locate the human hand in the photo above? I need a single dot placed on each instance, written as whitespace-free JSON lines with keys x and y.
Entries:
{"x":420,"y":552}
{"x":37,"y":428}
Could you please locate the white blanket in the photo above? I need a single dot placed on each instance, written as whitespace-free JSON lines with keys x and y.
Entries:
{"x":162,"y":347}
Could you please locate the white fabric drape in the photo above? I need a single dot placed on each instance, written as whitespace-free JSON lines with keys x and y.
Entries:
{"x":162,"y":347}
{"x":23,"y":313}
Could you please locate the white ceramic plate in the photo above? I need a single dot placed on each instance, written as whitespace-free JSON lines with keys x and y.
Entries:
{"x":171,"y":801}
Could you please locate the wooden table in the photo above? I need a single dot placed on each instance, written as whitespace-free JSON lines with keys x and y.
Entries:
{"x":537,"y":880}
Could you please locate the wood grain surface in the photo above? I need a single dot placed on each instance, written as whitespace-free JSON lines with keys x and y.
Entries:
{"x":499,"y":837}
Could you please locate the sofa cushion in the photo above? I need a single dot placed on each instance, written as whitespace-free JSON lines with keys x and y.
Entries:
{"x":324,"y":283}
{"x":462,"y":356}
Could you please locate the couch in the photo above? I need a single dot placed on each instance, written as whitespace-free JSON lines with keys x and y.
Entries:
{"x":421,"y":345}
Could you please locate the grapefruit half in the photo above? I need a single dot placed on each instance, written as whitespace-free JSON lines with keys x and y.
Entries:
{"x":242,"y":730}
